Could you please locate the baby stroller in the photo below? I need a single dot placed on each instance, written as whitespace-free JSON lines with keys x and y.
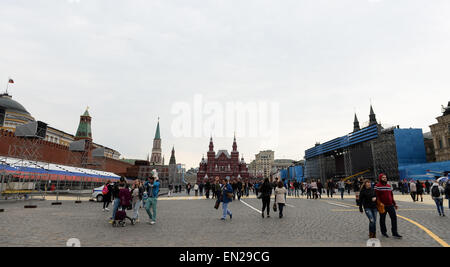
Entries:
{"x":120,"y":219}
{"x":125,"y":203}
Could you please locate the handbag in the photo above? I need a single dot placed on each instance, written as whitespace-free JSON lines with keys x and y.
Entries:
{"x":380,"y":207}
{"x":217,"y":204}
{"x":229,"y":195}
{"x":275,"y":207}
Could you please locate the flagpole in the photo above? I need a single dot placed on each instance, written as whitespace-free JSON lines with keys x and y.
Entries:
{"x":7,"y":85}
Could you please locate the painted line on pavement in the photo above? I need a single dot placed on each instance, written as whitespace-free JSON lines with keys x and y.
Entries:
{"x":253,"y":208}
{"x":433,"y":235}
{"x":340,"y":205}
{"x":181,"y":198}
{"x":289,"y":205}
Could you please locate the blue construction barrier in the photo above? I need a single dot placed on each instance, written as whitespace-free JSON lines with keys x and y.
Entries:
{"x":424,"y":171}
{"x":410,"y":146}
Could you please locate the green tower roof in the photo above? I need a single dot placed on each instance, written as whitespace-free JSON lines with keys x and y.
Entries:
{"x":157,"y":135}
{"x":84,"y":128}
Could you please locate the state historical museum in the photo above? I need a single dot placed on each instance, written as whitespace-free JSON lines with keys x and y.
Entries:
{"x":222,"y":164}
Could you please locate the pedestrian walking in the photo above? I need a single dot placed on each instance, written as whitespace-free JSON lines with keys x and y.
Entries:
{"x":170,"y":190}
{"x":137,"y":192}
{"x":196,"y":189}
{"x":413,"y":190}
{"x":319,"y":188}
{"x":152,"y":188}
{"x":115,"y":195}
{"x":265,"y":193}
{"x":308,"y":190}
{"x":217,"y":187}
{"x":427,"y":187}
{"x":368,"y":201}
{"x":226,"y":193}
{"x":200,"y":188}
{"x":327,"y":187}
{"x":125,"y":202}
{"x":437,"y":193}
{"x":107,"y":192}
{"x":400,"y":187}
{"x":188,"y":189}
{"x":207,"y":188}
{"x":356,"y":188}
{"x":406,"y":187}
{"x":341,"y":186}
{"x":239,"y":189}
{"x":419,"y":190}
{"x":386,"y":200}
{"x":296,"y":191}
{"x":314,"y":189}
{"x":234,"y":187}
{"x":280,"y":199}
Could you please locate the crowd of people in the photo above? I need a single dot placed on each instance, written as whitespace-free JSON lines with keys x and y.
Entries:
{"x":372,"y":198}
{"x":125,"y":197}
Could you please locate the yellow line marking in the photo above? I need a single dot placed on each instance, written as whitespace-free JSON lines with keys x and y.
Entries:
{"x":434,"y":236}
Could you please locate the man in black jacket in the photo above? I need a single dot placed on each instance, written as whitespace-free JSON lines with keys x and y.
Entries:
{"x":207,"y":188}
{"x":266,"y":192}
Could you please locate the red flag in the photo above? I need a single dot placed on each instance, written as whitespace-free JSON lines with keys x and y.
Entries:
{"x":11,"y":81}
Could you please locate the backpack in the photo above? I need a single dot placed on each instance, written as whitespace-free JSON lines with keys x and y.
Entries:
{"x":105,"y":190}
{"x":435,"y":192}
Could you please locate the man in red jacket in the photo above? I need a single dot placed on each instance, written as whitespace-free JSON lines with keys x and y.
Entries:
{"x":386,"y":197}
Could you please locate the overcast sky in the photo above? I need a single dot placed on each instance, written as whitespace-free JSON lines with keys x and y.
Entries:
{"x":319,"y":61}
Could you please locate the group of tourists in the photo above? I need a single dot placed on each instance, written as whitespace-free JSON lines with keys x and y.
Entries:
{"x":372,"y":199}
{"x":314,"y":189}
{"x":225,"y":191}
{"x":207,"y":188}
{"x":415,"y":188}
{"x":126,"y":197}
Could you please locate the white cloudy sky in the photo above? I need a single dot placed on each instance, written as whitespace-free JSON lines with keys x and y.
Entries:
{"x":321,"y":61}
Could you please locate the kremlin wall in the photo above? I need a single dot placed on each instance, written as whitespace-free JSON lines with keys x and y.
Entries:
{"x":54,"y":148}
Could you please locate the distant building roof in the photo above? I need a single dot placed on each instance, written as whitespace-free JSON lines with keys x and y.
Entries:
{"x":223,"y":152}
{"x":131,"y":161}
{"x":7,"y":103}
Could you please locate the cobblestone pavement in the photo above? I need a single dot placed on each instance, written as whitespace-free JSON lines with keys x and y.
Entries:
{"x":196,"y":223}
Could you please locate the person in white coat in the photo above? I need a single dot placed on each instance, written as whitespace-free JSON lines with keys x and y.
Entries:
{"x":196,"y":189}
{"x":280,"y":199}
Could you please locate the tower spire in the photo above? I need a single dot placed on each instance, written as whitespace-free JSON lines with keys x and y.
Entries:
{"x":172,"y":157}
{"x":356,"y":124}
{"x":157,"y":158}
{"x":211,"y":144}
{"x":372,"y":116}
{"x":157,"y":134}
